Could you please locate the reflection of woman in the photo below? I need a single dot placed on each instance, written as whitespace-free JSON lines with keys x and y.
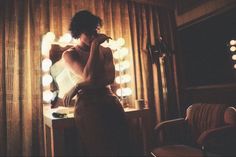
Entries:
{"x":63,"y":79}
{"x":99,"y":115}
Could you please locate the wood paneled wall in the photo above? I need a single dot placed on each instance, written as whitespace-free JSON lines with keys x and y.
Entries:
{"x":202,"y":10}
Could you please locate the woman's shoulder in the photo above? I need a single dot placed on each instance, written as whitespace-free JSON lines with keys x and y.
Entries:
{"x":70,"y":53}
{"x":70,"y":50}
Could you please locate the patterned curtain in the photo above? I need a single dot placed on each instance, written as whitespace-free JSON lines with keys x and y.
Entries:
{"x":22,"y":24}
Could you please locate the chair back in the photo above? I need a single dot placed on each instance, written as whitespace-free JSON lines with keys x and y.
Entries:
{"x":201,"y":117}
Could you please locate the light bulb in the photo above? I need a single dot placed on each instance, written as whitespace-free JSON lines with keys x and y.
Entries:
{"x":121,"y":53}
{"x":46,"y":64}
{"x":232,"y":48}
{"x":66,"y":38}
{"x":232,"y":42}
{"x":47,"y":96}
{"x":122,"y":66}
{"x":45,"y":48}
{"x":121,"y":41}
{"x":124,"y":91}
{"x":123,"y":79}
{"x":47,"y":79}
{"x":234,"y":57}
{"x":114,"y":45}
{"x":50,"y":36}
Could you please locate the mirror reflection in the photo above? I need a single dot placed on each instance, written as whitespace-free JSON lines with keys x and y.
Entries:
{"x":58,"y":79}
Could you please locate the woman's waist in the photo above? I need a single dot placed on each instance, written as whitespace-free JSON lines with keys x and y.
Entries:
{"x":96,"y":91}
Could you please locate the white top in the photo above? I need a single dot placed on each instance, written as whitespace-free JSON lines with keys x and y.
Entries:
{"x":63,"y":77}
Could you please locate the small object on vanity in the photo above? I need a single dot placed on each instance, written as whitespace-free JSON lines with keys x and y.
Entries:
{"x":59,"y":115}
{"x":140,"y":104}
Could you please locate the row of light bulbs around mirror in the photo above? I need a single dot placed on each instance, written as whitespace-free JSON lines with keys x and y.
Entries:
{"x":119,"y":53}
{"x":232,"y":48}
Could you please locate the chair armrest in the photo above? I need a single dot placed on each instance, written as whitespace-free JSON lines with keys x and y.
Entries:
{"x":168,"y":123}
{"x":170,"y":131}
{"x":219,"y":140}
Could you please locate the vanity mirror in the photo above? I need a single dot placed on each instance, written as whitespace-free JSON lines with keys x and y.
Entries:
{"x":58,"y":80}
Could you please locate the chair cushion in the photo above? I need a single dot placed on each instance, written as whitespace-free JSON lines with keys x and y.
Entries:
{"x":177,"y":151}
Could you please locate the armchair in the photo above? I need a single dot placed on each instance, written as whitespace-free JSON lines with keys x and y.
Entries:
{"x":207,"y":130}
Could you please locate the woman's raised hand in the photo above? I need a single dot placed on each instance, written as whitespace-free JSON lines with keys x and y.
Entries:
{"x":100,"y":38}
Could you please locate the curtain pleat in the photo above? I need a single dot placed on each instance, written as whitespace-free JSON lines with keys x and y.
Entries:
{"x":3,"y":123}
{"x":22,"y":25}
{"x":21,"y":104}
{"x":154,"y":82}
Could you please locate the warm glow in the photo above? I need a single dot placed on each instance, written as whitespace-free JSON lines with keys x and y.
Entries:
{"x":232,"y":42}
{"x":121,"y":53}
{"x":234,"y":66}
{"x":46,"y":64}
{"x":121,"y":42}
{"x":234,"y":57}
{"x":122,"y":66}
{"x":66,"y":38}
{"x":232,"y":48}
{"x":49,"y":37}
{"x":45,"y":48}
{"x":114,"y":45}
{"x":47,"y":96}
{"x":124,"y":92}
{"x":123,"y":79}
{"x":47,"y":79}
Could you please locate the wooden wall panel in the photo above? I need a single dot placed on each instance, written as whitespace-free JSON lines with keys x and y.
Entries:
{"x":203,"y":10}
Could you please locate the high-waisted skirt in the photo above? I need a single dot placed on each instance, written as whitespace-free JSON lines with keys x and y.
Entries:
{"x":102,"y":128}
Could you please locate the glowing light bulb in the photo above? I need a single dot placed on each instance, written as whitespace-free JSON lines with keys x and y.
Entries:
{"x":114,"y":45}
{"x":232,"y":48}
{"x":47,"y":96}
{"x":122,"y":66}
{"x":66,"y":38}
{"x":47,"y":79}
{"x":234,"y":57}
{"x":50,"y":36}
{"x":123,"y":79}
{"x":234,"y":66}
{"x":120,"y":41}
{"x":124,"y":91}
{"x":232,"y":42}
{"x":45,"y":48}
{"x":121,"y":53}
{"x":46,"y":64}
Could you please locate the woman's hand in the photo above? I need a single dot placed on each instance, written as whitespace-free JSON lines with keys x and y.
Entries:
{"x":100,"y":38}
{"x":69,"y":96}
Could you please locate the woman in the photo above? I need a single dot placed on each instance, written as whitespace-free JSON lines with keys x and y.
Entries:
{"x":99,"y":116}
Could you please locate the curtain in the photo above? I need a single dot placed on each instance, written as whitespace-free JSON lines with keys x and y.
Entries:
{"x":22,"y":24}
{"x":21,"y":110}
{"x":154,"y":82}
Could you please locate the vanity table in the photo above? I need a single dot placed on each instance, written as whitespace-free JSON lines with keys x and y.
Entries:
{"x":55,"y":128}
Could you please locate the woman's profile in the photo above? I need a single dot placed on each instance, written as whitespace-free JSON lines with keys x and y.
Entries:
{"x":99,"y":116}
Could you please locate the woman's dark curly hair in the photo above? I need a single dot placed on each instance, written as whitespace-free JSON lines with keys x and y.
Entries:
{"x":84,"y":22}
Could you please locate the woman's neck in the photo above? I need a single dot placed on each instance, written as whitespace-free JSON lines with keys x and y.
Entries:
{"x":84,"y":46}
